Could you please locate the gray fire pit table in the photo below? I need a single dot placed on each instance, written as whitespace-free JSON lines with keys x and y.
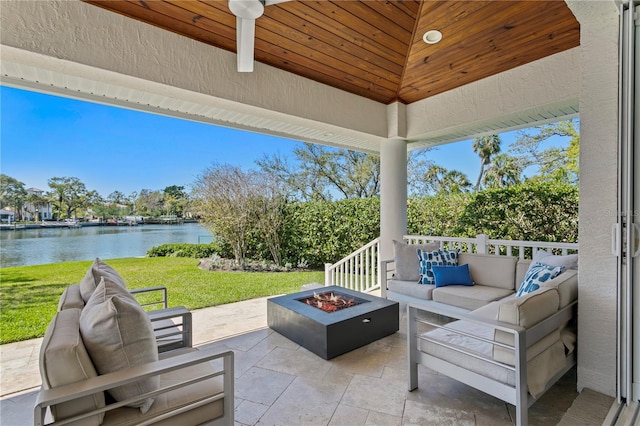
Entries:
{"x":329,"y":334}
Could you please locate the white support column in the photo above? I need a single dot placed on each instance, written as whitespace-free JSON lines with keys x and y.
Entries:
{"x":393,"y":180}
{"x":393,"y":194}
{"x":599,"y":32}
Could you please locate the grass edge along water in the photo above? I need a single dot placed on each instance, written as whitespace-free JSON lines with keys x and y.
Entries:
{"x":29,"y":294}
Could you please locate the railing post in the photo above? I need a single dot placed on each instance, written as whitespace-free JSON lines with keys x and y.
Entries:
{"x":482,"y":244}
{"x":328,"y":277}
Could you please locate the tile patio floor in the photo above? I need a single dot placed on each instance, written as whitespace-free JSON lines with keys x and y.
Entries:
{"x":280,"y":383}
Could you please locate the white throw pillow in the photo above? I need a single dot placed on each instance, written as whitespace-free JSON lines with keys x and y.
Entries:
{"x":118,"y":334}
{"x":91,"y":279}
{"x":569,"y":261}
{"x":407,"y":260}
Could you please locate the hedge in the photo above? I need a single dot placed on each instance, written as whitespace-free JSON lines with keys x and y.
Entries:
{"x":319,"y":232}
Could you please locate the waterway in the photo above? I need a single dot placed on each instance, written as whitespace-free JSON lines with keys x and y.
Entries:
{"x":54,"y":245}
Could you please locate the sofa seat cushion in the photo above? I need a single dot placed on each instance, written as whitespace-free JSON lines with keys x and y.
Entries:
{"x":491,"y":270}
{"x":469,"y":297}
{"x":71,"y":298}
{"x":411,"y":288}
{"x":177,"y":399}
{"x":118,"y":334}
{"x":64,"y":360}
{"x":541,"y":367}
{"x":92,"y":278}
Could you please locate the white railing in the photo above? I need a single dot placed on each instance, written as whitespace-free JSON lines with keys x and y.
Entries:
{"x":484,"y":245}
{"x":360,"y":270}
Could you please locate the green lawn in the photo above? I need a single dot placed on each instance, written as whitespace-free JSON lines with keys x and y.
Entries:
{"x":29,"y":294}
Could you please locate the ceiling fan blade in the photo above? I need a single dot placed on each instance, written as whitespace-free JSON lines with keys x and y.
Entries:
{"x":270,"y":2}
{"x":245,"y":37}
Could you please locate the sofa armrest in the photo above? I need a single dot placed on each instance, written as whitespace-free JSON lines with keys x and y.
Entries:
{"x":73,"y":391}
{"x":386,"y":266}
{"x":173,"y":328}
{"x":154,"y":290}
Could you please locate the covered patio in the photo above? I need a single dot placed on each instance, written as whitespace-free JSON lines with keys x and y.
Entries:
{"x":75,"y":49}
{"x":280,"y":382}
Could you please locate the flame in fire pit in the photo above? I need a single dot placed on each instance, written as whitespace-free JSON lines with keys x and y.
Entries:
{"x":329,"y":302}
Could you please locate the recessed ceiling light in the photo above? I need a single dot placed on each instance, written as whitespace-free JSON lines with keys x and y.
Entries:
{"x":432,"y":36}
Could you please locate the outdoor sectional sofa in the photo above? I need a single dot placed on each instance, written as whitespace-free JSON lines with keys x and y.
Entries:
{"x":514,"y":348}
{"x":103,"y":362}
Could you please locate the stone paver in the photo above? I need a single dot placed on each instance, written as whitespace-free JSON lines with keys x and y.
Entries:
{"x":280,"y":383}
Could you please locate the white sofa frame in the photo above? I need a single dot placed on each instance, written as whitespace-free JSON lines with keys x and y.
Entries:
{"x":102,"y":383}
{"x":517,"y":395}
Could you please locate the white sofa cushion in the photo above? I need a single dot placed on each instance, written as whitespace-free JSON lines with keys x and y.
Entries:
{"x":92,"y":278}
{"x":567,"y":285}
{"x":569,"y":261}
{"x":64,"y":360}
{"x":411,"y":288}
{"x":468,"y":297}
{"x":541,"y":365}
{"x":118,"y":334}
{"x":172,"y":401}
{"x":71,"y":298}
{"x":407,"y":262}
{"x":491,"y":270}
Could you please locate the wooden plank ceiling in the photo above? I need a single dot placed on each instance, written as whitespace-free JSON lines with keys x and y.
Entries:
{"x":374,"y":48}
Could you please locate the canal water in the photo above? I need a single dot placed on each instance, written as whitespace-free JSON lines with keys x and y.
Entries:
{"x":53,"y":245}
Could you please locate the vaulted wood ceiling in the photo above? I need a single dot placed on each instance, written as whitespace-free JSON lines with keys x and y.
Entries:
{"x":374,"y":48}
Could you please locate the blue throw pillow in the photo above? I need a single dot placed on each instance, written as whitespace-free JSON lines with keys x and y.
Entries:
{"x":536,"y":275}
{"x":429,"y":259}
{"x":452,"y":275}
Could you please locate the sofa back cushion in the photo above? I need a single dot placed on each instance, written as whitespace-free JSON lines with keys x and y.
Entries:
{"x":567,"y":285}
{"x":521,"y":269}
{"x":407,"y":262}
{"x":64,"y":360}
{"x":92,"y":278}
{"x":526,"y":311}
{"x":71,"y":298}
{"x":118,"y":334}
{"x":491,"y":270}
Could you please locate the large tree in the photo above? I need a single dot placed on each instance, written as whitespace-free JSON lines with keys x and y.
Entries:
{"x":150,"y":203}
{"x":12,"y":194}
{"x":439,"y":180}
{"x":320,"y":173}
{"x":175,"y":200}
{"x":555,"y":163}
{"x":485,"y":147}
{"x":234,"y":203}
{"x":69,"y":195}
{"x":504,"y":170}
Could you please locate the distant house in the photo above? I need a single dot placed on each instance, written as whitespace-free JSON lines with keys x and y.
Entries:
{"x":6,"y":216}
{"x":37,"y":212}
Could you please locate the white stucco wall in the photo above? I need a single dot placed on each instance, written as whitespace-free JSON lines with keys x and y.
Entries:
{"x":598,"y":194}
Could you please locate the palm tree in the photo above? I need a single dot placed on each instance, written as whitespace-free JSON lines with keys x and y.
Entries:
{"x":440,"y":180}
{"x":485,"y":147}
{"x":504,"y":170}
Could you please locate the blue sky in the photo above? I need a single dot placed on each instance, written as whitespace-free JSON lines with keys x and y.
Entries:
{"x":109,"y":149}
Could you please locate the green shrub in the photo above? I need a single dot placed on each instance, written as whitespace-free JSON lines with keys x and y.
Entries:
{"x":196,"y":251}
{"x":532,"y":211}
